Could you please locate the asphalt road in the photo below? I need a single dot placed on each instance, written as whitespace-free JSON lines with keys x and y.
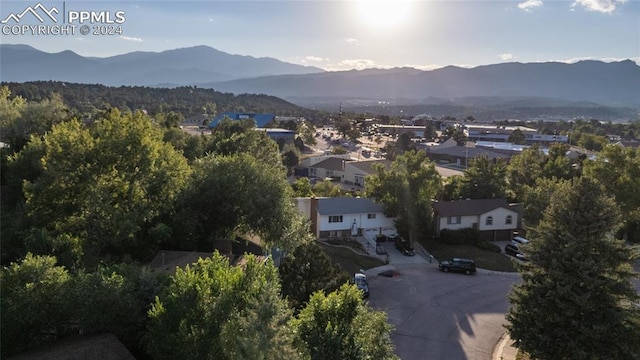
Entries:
{"x":443,"y":315}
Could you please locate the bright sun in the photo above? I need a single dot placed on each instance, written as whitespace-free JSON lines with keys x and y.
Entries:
{"x":383,"y":15}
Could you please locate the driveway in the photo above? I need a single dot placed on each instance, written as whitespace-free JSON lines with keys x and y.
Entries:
{"x":442,"y":315}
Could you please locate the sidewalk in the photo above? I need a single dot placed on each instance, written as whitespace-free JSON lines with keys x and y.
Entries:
{"x":504,"y":350}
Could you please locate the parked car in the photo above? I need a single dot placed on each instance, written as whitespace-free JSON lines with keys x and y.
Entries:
{"x":513,"y":250}
{"x":360,"y":280}
{"x":380,"y":250}
{"x":466,"y":266}
{"x":517,"y":240}
{"x":404,"y":246}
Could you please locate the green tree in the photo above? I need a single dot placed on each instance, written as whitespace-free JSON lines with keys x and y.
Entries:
{"x":290,"y":157}
{"x":593,"y":142}
{"x":517,"y":137}
{"x":237,"y":195}
{"x":327,"y":188}
{"x":340,"y":326}
{"x":537,"y":197}
{"x":484,"y":179}
{"x":618,"y":170}
{"x":404,"y":143}
{"x":105,"y":187}
{"x":239,"y":136}
{"x":523,"y":171}
{"x":24,"y":119}
{"x":307,"y":270}
{"x":406,"y":191}
{"x":302,"y":187}
{"x":307,"y":133}
{"x":576,"y":300}
{"x":34,"y":303}
{"x":558,"y":164}
{"x":212,"y":310}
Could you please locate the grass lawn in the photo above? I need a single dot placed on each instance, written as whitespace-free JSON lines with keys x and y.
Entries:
{"x":349,"y":261}
{"x":484,"y":259}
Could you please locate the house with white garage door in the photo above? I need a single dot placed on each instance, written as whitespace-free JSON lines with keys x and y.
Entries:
{"x":342,"y":217}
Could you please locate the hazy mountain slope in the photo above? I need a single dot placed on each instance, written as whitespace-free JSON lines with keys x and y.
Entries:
{"x":179,"y":67}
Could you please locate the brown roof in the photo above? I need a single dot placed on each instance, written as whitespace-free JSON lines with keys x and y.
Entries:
{"x":469,"y":207}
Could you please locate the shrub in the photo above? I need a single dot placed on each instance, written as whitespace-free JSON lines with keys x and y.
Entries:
{"x":467,"y":236}
{"x":485,"y":245}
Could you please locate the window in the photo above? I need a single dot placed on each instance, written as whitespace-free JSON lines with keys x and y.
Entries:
{"x":509,"y":220}
{"x":335,"y":218}
{"x":489,"y":220}
{"x":454,"y":220}
{"x":371,"y":216}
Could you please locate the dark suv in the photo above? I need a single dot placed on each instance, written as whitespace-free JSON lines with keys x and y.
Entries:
{"x":466,"y":266}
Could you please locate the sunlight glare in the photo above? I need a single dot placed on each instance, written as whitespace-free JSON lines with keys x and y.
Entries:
{"x":384,"y":15}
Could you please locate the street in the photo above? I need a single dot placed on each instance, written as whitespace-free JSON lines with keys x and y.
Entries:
{"x":443,"y":315}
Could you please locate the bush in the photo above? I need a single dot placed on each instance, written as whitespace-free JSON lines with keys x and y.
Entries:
{"x":485,"y":245}
{"x":466,"y":236}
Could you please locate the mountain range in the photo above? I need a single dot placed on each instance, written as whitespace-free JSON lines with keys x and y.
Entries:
{"x":185,"y":66}
{"x":595,"y":82}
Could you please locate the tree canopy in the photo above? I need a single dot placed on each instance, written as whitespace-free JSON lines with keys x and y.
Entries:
{"x":576,"y":300}
{"x":406,"y":191}
{"x":238,"y":195}
{"x":213,"y":310}
{"x":340,"y":326}
{"x":100,"y":190}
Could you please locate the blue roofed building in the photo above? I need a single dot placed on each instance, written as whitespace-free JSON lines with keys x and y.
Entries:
{"x":261,"y":120}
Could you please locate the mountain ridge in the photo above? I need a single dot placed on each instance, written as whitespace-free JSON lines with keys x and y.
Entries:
{"x":592,"y":81}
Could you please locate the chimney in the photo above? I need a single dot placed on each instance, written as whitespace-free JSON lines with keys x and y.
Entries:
{"x":313,"y":215}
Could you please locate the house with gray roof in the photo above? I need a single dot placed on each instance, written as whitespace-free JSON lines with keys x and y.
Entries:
{"x":345,"y":216}
{"x":496,"y":219}
{"x":356,"y":172}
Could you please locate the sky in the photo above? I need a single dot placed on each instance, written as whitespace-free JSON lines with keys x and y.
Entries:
{"x":342,"y":35}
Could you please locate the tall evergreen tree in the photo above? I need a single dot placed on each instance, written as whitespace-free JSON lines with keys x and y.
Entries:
{"x":576,"y":299}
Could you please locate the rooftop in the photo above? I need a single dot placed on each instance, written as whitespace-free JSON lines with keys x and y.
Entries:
{"x":347,"y":205}
{"x":469,"y":207}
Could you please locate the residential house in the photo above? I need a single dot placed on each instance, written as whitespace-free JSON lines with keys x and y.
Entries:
{"x":356,"y":172}
{"x":345,"y":216}
{"x":323,"y":167}
{"x":496,"y":219}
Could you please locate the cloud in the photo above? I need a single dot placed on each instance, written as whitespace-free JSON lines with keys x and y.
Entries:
{"x":530,"y":4}
{"x":506,"y":57}
{"x":314,"y":58}
{"x":130,"y":38}
{"x":352,"y":41}
{"x":603,"y":6}
{"x":424,"y":67}
{"x":358,"y":64}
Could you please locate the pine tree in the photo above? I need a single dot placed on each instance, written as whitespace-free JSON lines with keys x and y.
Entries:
{"x":576,"y":300}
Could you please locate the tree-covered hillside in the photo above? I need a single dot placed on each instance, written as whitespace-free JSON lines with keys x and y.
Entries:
{"x":188,"y":100}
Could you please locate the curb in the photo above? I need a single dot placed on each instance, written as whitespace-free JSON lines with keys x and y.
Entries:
{"x":499,"y":348}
